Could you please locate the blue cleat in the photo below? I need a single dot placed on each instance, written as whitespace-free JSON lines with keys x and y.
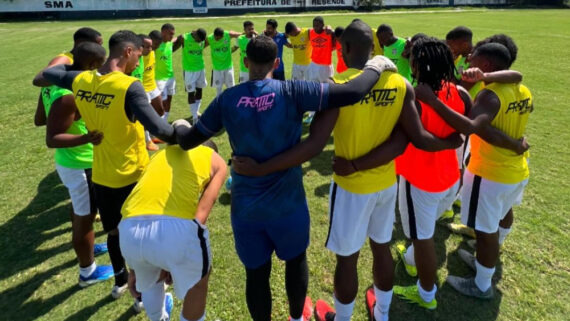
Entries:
{"x":100,"y":248}
{"x":168,"y":304}
{"x":101,"y":273}
{"x":229,"y":184}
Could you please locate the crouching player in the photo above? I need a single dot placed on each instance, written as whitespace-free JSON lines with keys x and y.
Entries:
{"x":163,"y":229}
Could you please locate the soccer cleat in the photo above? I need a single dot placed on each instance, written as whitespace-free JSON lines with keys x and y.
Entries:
{"x":152,"y":147}
{"x":370,"y":298}
{"x":229,"y":184}
{"x":467,"y":286}
{"x":323,"y":311}
{"x":307,"y":309}
{"x":118,"y":291}
{"x":461,"y":229}
{"x":157,"y":140}
{"x":468,"y":258}
{"x":457,"y":203}
{"x":101,"y":273}
{"x":100,"y":248}
{"x":411,"y":294}
{"x":138,"y":306}
{"x":308,"y":120}
{"x":447,"y":214}
{"x":168,"y":304}
{"x":410,"y":269}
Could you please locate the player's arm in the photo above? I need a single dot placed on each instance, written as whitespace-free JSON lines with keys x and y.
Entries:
{"x":287,"y":43}
{"x":179,"y":42}
{"x":40,"y":117}
{"x":234,"y":34}
{"x":473,"y":75}
{"x":208,"y":125}
{"x":59,"y":76}
{"x":60,"y":60}
{"x":218,"y":174}
{"x":380,"y":155}
{"x":61,"y":116}
{"x":320,"y":131}
{"x":421,"y":138}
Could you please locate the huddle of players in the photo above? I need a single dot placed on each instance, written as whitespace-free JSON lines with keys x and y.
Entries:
{"x":393,"y":117}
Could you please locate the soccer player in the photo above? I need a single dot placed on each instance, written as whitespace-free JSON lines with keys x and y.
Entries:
{"x":73,"y":160}
{"x":194,"y":43}
{"x":394,"y":48}
{"x":116,"y":105}
{"x":241,"y":44}
{"x":164,"y":229}
{"x":281,"y":40}
{"x":496,"y":176}
{"x":460,"y":41}
{"x":222,"y":64}
{"x":340,"y":65}
{"x":164,"y":73}
{"x":269,"y":212}
{"x":302,"y":50}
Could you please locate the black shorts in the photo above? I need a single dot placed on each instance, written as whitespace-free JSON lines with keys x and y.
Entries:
{"x":109,"y":202}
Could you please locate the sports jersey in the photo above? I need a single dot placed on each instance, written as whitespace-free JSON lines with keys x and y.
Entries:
{"x":78,"y":157}
{"x":378,"y":50}
{"x":121,"y":157}
{"x":192,"y":58}
{"x":477,"y":87}
{"x":149,"y":83}
{"x":498,"y":164}
{"x":433,"y":172}
{"x":163,"y":68}
{"x":263,"y":118}
{"x":280,"y":40}
{"x":221,"y":52}
{"x":394,"y":52}
{"x":242,"y":42}
{"x":302,"y":48}
{"x":376,"y":115}
{"x":322,"y":47}
{"x":171,"y":184}
{"x":461,"y":65}
{"x":340,"y":65}
{"x":139,"y":71}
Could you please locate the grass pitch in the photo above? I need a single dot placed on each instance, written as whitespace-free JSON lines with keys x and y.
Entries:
{"x":38,"y":270}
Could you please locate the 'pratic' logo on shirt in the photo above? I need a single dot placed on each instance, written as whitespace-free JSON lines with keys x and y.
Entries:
{"x":262,"y":103}
{"x":381,"y":97}
{"x":101,"y":100}
{"x":522,"y":107}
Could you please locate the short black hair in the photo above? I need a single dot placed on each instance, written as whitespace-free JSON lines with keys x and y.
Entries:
{"x":218,"y":32}
{"x":272,"y":22}
{"x":86,"y":34}
{"x":143,"y":36}
{"x":155,"y":35}
{"x":497,"y":54}
{"x":201,"y":33}
{"x":167,"y":26}
{"x":247,"y":23}
{"x":384,"y":28}
{"x":419,"y":35}
{"x":319,"y":19}
{"x":261,"y":50}
{"x":338,"y":31}
{"x":122,"y":38}
{"x":359,"y":37}
{"x":504,"y":40}
{"x":289,"y":27}
{"x":356,"y":19}
{"x":87,"y":52}
{"x":210,"y":143}
{"x":459,"y":33}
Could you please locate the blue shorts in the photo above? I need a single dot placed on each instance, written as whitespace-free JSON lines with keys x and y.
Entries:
{"x":287,"y":235}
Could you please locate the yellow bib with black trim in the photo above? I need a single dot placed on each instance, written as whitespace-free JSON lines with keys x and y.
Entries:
{"x":498,"y":164}
{"x":148,"y":81}
{"x":121,"y":157}
{"x":363,"y":126}
{"x":67,"y":54}
{"x":171,"y":184}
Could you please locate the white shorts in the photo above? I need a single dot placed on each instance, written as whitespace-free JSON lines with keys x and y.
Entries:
{"x":484,"y":203}
{"x":420,"y":209}
{"x":460,"y":151}
{"x":353,"y":217}
{"x":223,"y":77}
{"x":153,"y":94}
{"x":78,"y":183}
{"x":166,"y":87}
{"x":195,"y":79}
{"x":243,"y":76}
{"x":319,"y":73}
{"x":153,"y":243}
{"x":299,"y":72}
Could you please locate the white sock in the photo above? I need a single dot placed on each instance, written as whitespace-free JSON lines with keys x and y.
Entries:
{"x":343,"y":311}
{"x":503,"y":232}
{"x":194,"y":111}
{"x":198,"y":103}
{"x":409,"y":256}
{"x":483,"y":276}
{"x":218,"y":91}
{"x":202,"y":318}
{"x":146,"y":136}
{"x":87,"y":271}
{"x":165,"y":116}
{"x":427,"y":296}
{"x":382,"y":307}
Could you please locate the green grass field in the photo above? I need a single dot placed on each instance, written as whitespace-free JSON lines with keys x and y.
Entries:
{"x":38,"y":270}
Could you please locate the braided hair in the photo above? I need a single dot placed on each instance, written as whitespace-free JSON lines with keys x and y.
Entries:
{"x":433,"y":62}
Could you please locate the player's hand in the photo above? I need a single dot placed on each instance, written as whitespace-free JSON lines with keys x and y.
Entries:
{"x":132,"y":285}
{"x":454,"y":140}
{"x":94,"y":137}
{"x":424,"y":93}
{"x":523,"y":146}
{"x":328,"y":29}
{"x":246,"y":166}
{"x":380,"y":64}
{"x":342,"y":166}
{"x":472,"y":75}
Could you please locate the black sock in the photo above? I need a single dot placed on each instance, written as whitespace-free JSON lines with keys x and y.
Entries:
{"x":296,"y":283}
{"x":117,"y":259}
{"x":258,"y":292}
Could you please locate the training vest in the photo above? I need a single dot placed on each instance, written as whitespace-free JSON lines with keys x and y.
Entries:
{"x":171,"y":184}
{"x":148,"y":81}
{"x":498,"y":164}
{"x":365,"y":125}
{"x":221,"y":52}
{"x":322,"y":47}
{"x":461,"y":65}
{"x":433,"y":172}
{"x":302,"y":49}
{"x":67,"y":54}
{"x":192,"y":58}
{"x":242,"y":42}
{"x":139,"y":71}
{"x":340,"y":65}
{"x":394,"y":52}
{"x":163,"y":69}
{"x":378,"y":50}
{"x":121,"y":157}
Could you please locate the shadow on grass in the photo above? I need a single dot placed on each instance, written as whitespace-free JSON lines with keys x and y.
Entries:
{"x":87,"y":312}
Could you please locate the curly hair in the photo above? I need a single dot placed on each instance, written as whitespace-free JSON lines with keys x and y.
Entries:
{"x":433,"y":61}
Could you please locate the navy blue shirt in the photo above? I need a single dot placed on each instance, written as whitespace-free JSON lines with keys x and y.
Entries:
{"x":280,"y":40}
{"x":263,"y":118}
